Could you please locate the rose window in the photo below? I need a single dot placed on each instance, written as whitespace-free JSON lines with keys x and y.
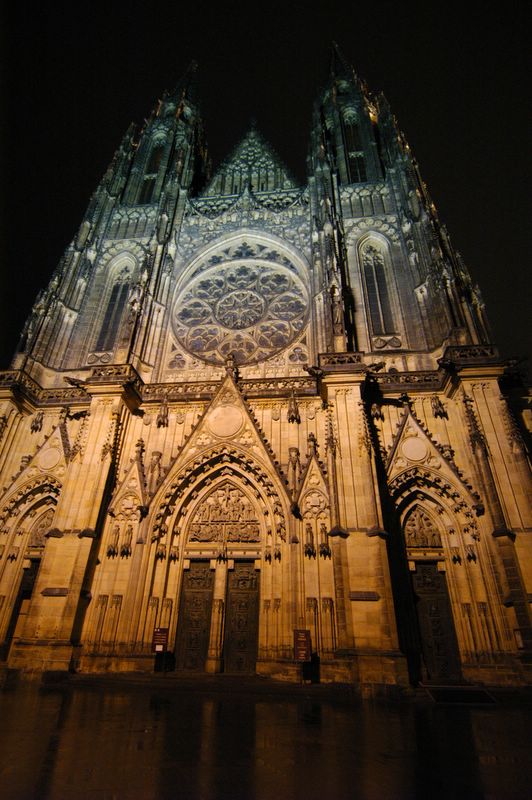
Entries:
{"x":240,"y":309}
{"x":249,"y":310}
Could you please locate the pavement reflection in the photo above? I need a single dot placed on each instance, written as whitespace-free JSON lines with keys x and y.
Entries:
{"x":105,"y":740}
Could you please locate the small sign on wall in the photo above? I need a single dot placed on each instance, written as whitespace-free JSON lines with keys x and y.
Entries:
{"x":159,"y":642}
{"x":302,"y":648}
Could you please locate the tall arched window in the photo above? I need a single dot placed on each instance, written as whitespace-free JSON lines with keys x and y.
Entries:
{"x":150,"y":173}
{"x":380,"y":309}
{"x":355,"y":153}
{"x":354,"y":149}
{"x":146,"y":190}
{"x":154,"y":161}
{"x":113,"y":314}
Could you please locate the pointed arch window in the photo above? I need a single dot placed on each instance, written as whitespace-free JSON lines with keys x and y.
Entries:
{"x":154,"y":161}
{"x":356,"y":162}
{"x":150,"y":174}
{"x":112,"y":316}
{"x":146,"y":190}
{"x":378,"y":296}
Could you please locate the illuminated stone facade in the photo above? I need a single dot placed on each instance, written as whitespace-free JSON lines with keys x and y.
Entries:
{"x":246,"y":406}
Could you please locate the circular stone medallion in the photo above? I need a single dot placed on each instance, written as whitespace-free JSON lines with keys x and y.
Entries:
{"x":225,"y":421}
{"x":49,"y":458}
{"x":414,"y":449}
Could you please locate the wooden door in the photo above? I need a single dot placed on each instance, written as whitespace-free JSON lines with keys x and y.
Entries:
{"x":194,"y":621}
{"x":242,"y":618}
{"x":438,"y":637}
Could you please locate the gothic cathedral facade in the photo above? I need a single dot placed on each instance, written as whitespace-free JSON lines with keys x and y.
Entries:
{"x":247,"y":406}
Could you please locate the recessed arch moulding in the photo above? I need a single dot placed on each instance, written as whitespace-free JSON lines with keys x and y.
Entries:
{"x":220,"y":501}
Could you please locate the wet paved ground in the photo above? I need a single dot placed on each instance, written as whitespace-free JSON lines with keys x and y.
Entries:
{"x":249,"y":740}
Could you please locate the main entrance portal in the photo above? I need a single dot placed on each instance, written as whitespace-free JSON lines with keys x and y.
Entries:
{"x":240,"y":623}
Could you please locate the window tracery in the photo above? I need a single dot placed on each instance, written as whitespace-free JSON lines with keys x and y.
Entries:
{"x":355,"y":153}
{"x":150,"y":173}
{"x":113,"y":312}
{"x":377,"y":292}
{"x":250,"y":309}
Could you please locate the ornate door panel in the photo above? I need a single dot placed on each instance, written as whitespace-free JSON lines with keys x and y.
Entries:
{"x":242,"y":617}
{"x":438,"y":637}
{"x":194,"y":621}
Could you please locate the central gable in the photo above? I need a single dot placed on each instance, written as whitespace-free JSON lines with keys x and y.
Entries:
{"x":253,"y":164}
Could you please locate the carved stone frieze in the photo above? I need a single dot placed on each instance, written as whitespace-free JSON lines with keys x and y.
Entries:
{"x":18,"y":380}
{"x":470,"y":354}
{"x":429,"y":380}
{"x":337,"y":361}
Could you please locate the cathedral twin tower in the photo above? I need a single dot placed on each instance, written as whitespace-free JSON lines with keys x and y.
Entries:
{"x":248,"y":409}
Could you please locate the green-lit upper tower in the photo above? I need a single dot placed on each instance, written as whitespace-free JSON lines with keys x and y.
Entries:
{"x":382,"y":271}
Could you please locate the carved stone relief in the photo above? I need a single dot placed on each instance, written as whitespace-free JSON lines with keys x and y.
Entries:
{"x":313,"y":504}
{"x":420,"y":530}
{"x":41,"y":527}
{"x":226,"y":515}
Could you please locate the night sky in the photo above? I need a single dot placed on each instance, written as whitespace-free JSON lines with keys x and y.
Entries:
{"x":78,"y":74}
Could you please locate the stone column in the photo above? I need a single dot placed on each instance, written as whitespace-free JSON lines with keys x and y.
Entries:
{"x":338,"y":535}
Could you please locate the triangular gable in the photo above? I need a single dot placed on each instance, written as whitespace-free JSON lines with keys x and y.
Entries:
{"x":228,"y":419}
{"x":45,"y":469}
{"x":254,"y":164}
{"x":52,"y":456}
{"x":226,"y":441}
{"x":312,"y":496}
{"x":413,"y":446}
{"x":133,"y":485}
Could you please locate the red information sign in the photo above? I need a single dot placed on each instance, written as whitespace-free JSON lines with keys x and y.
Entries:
{"x":159,"y":642}
{"x":302,"y":648}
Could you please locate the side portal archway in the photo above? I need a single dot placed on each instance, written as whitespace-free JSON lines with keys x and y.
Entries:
{"x":424,"y":548}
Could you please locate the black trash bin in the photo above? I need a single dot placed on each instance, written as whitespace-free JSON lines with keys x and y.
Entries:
{"x":311,"y":669}
{"x":164,"y":662}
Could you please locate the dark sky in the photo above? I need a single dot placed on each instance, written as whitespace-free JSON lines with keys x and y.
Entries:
{"x":77,"y":74}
